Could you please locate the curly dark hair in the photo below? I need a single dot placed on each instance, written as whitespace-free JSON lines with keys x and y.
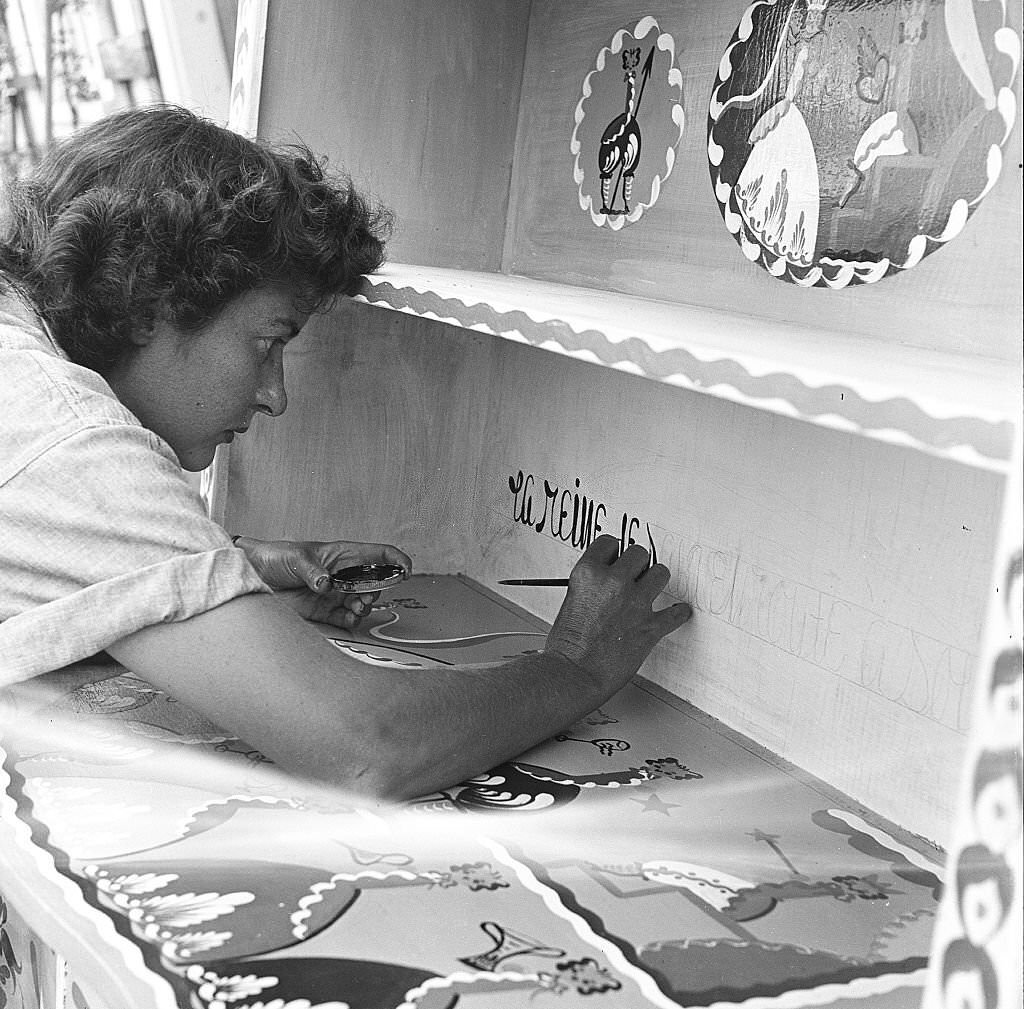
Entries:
{"x":156,"y":213}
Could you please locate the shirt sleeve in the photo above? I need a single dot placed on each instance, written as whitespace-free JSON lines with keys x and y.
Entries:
{"x":105,"y":536}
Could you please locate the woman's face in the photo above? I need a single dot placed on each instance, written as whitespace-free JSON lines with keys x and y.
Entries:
{"x":198,"y":390}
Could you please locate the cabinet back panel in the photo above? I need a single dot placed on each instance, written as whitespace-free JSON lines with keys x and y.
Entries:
{"x":380,"y":441}
{"x":416,"y":100}
{"x":839,"y":583}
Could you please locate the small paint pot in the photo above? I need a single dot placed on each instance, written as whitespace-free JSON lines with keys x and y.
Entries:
{"x":367,"y":577}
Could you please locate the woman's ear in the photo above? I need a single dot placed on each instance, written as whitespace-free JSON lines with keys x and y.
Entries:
{"x":145,"y":333}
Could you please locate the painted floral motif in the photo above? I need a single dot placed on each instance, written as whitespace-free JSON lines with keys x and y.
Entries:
{"x":669,"y":767}
{"x":478,"y":876}
{"x":585,"y":976}
{"x":863,"y":887}
{"x":299,"y":1003}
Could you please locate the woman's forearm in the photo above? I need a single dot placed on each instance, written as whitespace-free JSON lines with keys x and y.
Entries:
{"x":256,"y":669}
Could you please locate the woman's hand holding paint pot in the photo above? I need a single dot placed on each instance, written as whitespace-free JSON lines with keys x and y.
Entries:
{"x":300,"y":573}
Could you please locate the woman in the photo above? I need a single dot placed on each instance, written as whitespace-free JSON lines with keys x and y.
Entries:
{"x":155,"y":267}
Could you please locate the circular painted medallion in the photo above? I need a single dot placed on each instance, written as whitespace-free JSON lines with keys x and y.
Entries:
{"x":848,"y":139}
{"x":628,"y":124}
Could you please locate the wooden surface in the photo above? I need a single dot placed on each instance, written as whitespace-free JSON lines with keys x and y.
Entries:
{"x":416,"y":100}
{"x":964,"y":298}
{"x":839,"y":582}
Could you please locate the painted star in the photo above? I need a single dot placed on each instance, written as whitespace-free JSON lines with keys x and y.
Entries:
{"x":652,"y":804}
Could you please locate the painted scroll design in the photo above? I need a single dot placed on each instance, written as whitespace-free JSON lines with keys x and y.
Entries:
{"x":632,"y":119}
{"x":848,"y":140}
{"x":379,"y":634}
{"x":897,"y":419}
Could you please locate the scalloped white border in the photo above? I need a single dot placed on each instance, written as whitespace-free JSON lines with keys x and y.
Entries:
{"x":1006,"y":41}
{"x":666,"y":43}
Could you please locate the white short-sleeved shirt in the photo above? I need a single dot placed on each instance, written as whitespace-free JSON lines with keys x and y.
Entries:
{"x":101,"y":534}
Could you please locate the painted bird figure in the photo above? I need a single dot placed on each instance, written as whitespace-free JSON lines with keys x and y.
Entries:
{"x":619,"y":152}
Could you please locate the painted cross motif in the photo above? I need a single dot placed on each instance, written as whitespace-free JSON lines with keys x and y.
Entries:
{"x":772,"y":840}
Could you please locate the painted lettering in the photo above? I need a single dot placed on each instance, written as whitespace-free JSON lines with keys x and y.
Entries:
{"x":568,"y":515}
{"x":913,"y":671}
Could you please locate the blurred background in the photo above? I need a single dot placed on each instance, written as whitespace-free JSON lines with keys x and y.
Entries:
{"x":66,"y":63}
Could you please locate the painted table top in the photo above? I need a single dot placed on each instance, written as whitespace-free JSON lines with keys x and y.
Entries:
{"x":645,"y":857}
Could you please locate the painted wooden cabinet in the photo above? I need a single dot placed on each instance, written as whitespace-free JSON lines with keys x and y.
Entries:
{"x":737,"y":281}
{"x":781,"y":347}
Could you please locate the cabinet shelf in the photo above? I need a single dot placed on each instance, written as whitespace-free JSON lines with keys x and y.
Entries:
{"x":956,"y":406}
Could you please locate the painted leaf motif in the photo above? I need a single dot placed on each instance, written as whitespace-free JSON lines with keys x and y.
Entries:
{"x":213,"y":987}
{"x":301,"y":1003}
{"x":182,"y":910}
{"x":188,"y":945}
{"x":135,"y":883}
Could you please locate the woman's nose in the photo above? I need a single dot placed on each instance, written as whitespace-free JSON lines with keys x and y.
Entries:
{"x":272,"y":398}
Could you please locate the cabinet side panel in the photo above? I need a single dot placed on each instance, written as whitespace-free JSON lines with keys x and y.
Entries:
{"x":417,"y":100}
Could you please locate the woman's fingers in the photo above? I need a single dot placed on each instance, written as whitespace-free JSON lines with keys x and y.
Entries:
{"x":655,"y":578}
{"x":604,"y":550}
{"x":665,"y":621}
{"x":633,"y":563}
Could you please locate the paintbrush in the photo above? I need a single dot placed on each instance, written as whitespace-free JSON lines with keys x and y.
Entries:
{"x":534,"y":581}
